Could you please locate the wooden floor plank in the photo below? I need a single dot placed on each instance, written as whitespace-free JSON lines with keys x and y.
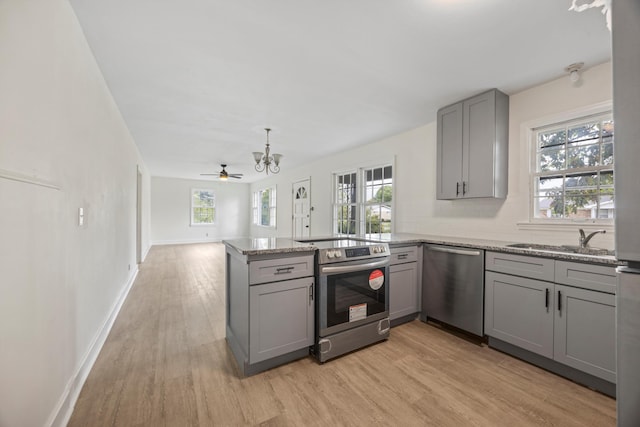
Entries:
{"x":166,"y":363}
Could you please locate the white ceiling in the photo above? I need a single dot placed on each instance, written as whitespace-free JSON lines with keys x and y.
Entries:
{"x":198,"y":80}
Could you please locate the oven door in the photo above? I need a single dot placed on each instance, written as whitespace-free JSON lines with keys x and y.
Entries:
{"x":352,"y":294}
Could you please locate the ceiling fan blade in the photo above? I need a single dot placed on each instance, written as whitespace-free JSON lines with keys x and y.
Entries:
{"x":236,"y":176}
{"x":209,"y":174}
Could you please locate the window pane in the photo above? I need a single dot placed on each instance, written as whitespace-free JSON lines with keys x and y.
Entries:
{"x":607,"y":130}
{"x":551,"y":159}
{"x":202,"y":207}
{"x":548,"y":186}
{"x":377,"y":174}
{"x":387,"y":172}
{"x":583,"y":155}
{"x":585,"y":132}
{"x":549,"y":198}
{"x":581,"y":204}
{"x":346,"y":219}
{"x":606,"y":178}
{"x":548,"y":207}
{"x":552,"y":138}
{"x":264,"y":208}
{"x":606,"y":207}
{"x":607,"y":154}
{"x":582,"y":181}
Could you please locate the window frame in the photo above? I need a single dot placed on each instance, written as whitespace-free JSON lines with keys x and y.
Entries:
{"x":360,"y":205}
{"x":528,"y":133}
{"x":256,"y":207}
{"x":192,"y":223}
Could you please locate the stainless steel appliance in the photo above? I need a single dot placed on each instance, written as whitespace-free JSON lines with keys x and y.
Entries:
{"x":453,"y":287}
{"x":626,"y":115}
{"x":353,"y":296}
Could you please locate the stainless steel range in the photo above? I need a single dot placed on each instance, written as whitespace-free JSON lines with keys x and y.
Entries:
{"x":353,"y":296}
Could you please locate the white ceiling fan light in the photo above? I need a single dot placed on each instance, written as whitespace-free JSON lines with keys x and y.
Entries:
{"x":223,"y":175}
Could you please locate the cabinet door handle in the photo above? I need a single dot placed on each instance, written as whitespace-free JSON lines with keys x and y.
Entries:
{"x":284,"y":270}
{"x":457,"y":188}
{"x":464,"y":188}
{"x":403,"y":256}
{"x":559,"y":301}
{"x":546,"y":298}
{"x":310,"y":294}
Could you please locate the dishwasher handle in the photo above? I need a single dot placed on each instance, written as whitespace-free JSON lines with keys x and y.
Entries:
{"x":455,"y":251}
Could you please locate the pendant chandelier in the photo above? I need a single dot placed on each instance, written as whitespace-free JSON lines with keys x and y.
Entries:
{"x":266,"y":161}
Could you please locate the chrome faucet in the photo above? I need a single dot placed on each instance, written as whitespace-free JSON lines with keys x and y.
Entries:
{"x":584,"y":240}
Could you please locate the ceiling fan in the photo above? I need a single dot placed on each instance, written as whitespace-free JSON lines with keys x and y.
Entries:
{"x":223,"y":174}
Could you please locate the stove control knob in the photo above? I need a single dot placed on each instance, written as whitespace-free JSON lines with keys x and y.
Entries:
{"x":330,"y":254}
{"x":338,"y":254}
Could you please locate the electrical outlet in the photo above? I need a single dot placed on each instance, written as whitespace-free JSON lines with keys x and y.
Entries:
{"x":129,"y":267}
{"x":80,"y":217}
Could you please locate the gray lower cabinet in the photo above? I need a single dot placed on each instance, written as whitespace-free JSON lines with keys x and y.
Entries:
{"x":281,"y":318}
{"x":570,"y":321}
{"x":404,"y":284}
{"x":270,"y":308}
{"x":518,"y":311}
{"x":584,"y":331}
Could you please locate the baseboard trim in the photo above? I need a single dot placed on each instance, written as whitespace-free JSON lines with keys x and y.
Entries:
{"x":62,"y":413}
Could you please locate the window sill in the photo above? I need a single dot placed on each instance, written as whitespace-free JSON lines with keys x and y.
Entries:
{"x":209,"y":224}
{"x":566,"y":225}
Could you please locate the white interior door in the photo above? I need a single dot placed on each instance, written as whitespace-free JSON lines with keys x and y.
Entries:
{"x":301,"y":208}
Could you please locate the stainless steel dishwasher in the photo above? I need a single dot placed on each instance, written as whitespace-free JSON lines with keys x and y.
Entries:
{"x":453,"y":287}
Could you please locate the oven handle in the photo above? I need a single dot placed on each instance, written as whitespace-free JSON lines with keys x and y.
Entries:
{"x":352,"y":268}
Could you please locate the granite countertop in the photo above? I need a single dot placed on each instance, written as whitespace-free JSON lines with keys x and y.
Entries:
{"x":494,"y":245}
{"x":261,"y":246}
{"x":268,"y":245}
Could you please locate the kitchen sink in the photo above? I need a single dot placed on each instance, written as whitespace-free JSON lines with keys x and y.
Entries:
{"x":563,"y":248}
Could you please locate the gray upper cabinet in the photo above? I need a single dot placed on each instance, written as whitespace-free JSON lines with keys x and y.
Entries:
{"x":449,"y":164}
{"x":472,"y":147}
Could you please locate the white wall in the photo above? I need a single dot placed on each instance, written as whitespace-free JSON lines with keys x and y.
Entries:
{"x":171,"y":201}
{"x":60,"y":284}
{"x":416,"y":208}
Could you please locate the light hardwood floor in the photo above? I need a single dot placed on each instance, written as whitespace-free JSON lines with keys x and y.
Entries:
{"x":166,"y":363}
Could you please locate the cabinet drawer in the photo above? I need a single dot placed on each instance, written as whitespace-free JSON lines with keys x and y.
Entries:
{"x":404,"y":254}
{"x":588,"y":276}
{"x":271,"y":270}
{"x":521,"y":265}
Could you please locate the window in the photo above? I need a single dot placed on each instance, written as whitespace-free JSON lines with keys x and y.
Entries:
{"x":203,"y":207}
{"x":345,"y":204}
{"x":363,"y":201}
{"x":264,"y":207}
{"x":573,"y":174}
